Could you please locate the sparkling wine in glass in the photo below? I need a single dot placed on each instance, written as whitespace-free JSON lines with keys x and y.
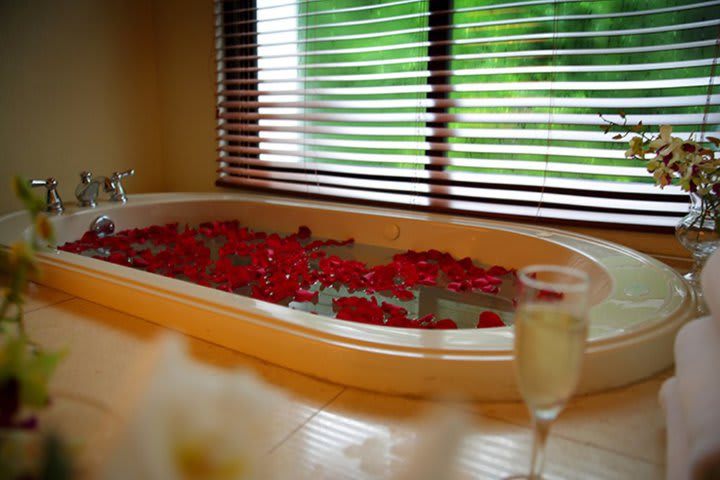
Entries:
{"x":550,"y":334}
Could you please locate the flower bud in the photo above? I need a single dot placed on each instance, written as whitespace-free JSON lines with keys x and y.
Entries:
{"x":43,"y":227}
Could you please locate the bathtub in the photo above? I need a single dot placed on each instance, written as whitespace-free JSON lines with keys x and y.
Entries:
{"x":638,"y":302}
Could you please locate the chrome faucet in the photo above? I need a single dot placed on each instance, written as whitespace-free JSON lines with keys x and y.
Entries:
{"x":87,"y":191}
{"x":53,"y":201}
{"x":115,"y":188}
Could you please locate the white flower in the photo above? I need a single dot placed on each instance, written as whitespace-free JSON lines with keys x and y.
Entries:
{"x":196,"y":422}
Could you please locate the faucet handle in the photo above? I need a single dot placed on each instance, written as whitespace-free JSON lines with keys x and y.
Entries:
{"x":85,"y":176}
{"x":53,"y":202}
{"x":118,"y":192}
{"x":121,"y":175}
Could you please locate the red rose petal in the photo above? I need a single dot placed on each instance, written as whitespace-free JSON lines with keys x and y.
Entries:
{"x":488,"y":319}
{"x":549,"y":295}
{"x":445,"y":324}
{"x":426,"y":318}
{"x":304,"y":232}
{"x":306,"y":296}
{"x":402,"y":294}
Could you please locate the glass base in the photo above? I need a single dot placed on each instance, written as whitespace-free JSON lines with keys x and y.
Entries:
{"x":693,"y":279}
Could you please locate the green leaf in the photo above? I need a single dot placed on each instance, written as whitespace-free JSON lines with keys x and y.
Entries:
{"x":35,"y":376}
{"x":24,"y":192}
{"x":30,"y":366}
{"x":22,"y":189}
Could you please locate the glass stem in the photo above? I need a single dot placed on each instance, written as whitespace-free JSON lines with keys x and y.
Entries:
{"x":541,"y":428}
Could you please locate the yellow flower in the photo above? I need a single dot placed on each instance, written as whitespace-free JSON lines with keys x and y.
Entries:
{"x":635,"y":150}
{"x":673,"y":148}
{"x":665,"y":135}
{"x":43,"y":227}
{"x":685,"y":183}
{"x":662,"y":175}
{"x":695,"y":164}
{"x":199,"y":460}
{"x":652,"y":165}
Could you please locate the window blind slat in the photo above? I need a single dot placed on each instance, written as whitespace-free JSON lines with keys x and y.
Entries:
{"x":272,"y":133}
{"x":479,"y":118}
{"x":628,"y":86}
{"x":467,"y":72}
{"x":282,"y":74}
{"x":548,"y":102}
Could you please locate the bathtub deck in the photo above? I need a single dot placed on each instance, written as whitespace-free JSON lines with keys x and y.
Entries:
{"x":334,"y":432}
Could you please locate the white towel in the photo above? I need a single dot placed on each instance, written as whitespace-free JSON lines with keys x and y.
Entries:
{"x":677,"y":456}
{"x":710,"y":281}
{"x":697,"y":369}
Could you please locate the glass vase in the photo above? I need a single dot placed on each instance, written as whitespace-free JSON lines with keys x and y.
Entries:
{"x":697,"y":232}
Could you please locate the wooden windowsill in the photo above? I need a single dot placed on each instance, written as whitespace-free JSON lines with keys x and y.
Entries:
{"x":662,"y":246}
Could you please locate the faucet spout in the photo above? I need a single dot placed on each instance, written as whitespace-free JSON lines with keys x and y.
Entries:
{"x":88,"y":189}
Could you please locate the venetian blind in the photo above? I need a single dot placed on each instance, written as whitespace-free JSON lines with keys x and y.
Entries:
{"x":475,"y":106}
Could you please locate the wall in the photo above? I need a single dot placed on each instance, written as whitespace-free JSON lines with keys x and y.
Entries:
{"x":80,"y":89}
{"x":184,"y":32}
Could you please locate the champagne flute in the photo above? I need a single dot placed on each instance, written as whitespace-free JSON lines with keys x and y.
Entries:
{"x":550,"y":334}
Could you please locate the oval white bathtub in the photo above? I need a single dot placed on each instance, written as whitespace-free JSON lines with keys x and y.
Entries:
{"x":639,"y":303}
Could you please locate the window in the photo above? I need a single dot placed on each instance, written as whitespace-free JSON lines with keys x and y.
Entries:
{"x":481,"y":107}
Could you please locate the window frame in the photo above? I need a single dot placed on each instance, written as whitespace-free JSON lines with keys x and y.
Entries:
{"x":439,"y":9}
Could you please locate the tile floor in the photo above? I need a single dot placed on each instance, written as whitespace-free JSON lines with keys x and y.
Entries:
{"x":334,"y":432}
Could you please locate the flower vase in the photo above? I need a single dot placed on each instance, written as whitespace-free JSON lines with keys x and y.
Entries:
{"x":698,"y":232}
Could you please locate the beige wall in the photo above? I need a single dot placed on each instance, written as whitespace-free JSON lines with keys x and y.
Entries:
{"x":80,"y":88}
{"x":186,"y":71}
